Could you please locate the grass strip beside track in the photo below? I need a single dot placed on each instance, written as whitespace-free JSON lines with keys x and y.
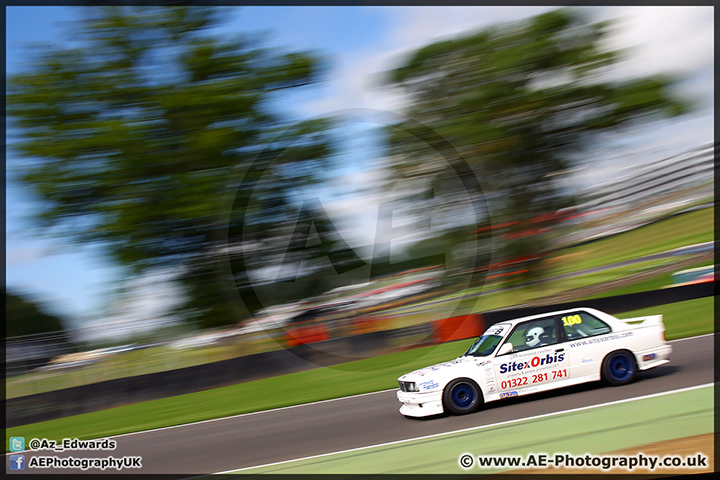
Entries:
{"x":594,"y":431}
{"x":687,"y":229}
{"x":683,"y":319}
{"x":427,"y":311}
{"x":654,"y":283}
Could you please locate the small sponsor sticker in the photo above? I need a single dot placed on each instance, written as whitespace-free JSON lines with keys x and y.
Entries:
{"x":430,"y":384}
{"x":649,"y":356}
{"x":498,"y":329}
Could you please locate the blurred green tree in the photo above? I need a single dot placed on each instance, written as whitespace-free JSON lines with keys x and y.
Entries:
{"x":519,"y":102}
{"x":26,"y":317}
{"x":135,"y":139}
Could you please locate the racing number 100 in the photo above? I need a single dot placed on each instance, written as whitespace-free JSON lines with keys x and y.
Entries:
{"x":571,"y":320}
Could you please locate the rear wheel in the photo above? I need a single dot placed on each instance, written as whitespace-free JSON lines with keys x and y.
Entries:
{"x":462,"y":396}
{"x":619,"y":368}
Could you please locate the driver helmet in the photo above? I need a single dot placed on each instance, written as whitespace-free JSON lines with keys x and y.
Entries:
{"x":532,"y":337}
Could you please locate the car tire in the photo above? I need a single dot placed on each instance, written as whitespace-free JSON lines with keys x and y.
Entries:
{"x":462,"y":396}
{"x":619,"y":368}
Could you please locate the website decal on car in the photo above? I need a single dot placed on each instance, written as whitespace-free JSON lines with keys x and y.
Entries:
{"x":599,"y":339}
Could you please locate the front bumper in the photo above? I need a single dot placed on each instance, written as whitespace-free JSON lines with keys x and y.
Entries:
{"x":416,"y":404}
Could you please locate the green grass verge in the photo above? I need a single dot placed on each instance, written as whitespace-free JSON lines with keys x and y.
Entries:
{"x":547,"y":289}
{"x":415,"y":313}
{"x":137,"y":362}
{"x":654,"y":283}
{"x":686,"y":229}
{"x":681,"y":319}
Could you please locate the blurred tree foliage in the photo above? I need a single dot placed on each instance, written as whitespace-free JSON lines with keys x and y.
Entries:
{"x":519,"y":102}
{"x":25,"y":317}
{"x":133,"y":139}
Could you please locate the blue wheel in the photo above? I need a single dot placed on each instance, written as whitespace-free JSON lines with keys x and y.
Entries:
{"x":618,"y":368}
{"x":462,"y":396}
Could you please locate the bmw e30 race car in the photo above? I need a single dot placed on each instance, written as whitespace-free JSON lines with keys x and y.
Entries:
{"x":534,"y":354}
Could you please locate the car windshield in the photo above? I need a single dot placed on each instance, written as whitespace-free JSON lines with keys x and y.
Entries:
{"x":483,"y":346}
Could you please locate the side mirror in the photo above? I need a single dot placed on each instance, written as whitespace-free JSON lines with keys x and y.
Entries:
{"x":506,"y":348}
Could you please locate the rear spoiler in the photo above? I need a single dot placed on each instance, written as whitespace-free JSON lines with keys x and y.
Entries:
{"x":647,"y":321}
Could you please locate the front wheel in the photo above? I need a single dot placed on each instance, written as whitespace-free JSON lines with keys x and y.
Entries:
{"x":618,"y":368}
{"x":462,"y":396}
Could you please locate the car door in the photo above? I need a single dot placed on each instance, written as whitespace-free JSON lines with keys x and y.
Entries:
{"x":585,"y":341}
{"x":537,"y":358}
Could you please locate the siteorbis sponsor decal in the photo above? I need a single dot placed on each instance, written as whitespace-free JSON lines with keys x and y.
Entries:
{"x":532,"y":363}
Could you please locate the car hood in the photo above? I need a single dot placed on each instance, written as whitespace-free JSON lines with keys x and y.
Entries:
{"x":440,"y":373}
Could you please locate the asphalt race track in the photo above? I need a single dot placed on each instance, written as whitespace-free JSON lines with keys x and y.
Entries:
{"x":284,"y":434}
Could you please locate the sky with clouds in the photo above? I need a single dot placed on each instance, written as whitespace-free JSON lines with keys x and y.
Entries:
{"x":359,"y":44}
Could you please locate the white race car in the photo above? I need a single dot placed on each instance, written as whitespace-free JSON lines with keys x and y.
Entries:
{"x":534,"y":354}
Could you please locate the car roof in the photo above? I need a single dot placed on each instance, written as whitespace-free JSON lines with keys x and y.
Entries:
{"x":592,"y":311}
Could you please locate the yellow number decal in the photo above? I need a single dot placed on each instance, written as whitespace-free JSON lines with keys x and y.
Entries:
{"x":571,"y":320}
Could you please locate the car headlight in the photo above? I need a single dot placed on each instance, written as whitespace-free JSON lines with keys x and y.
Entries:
{"x":408,"y":387}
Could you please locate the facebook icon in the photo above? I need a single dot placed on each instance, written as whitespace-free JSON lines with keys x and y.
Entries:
{"x":17,"y":462}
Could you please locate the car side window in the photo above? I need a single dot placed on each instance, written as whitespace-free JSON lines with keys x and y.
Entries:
{"x":533,"y":334}
{"x":582,"y":324}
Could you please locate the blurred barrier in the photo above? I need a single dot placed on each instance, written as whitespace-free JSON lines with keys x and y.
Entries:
{"x":28,"y":352}
{"x":304,"y":335}
{"x":362,"y":325}
{"x":140,"y":388}
{"x":613,"y":305}
{"x":413,"y":336}
{"x":458,"y":328}
{"x":122,"y":391}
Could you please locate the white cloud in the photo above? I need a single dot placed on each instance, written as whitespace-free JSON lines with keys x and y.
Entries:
{"x":418,"y":26}
{"x":356,"y":80}
{"x":668,"y":139}
{"x":665,"y":38}
{"x":355,"y":83}
{"x":19,"y":255}
{"x":143,"y":307}
{"x":661,"y":39}
{"x":355,"y":212}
